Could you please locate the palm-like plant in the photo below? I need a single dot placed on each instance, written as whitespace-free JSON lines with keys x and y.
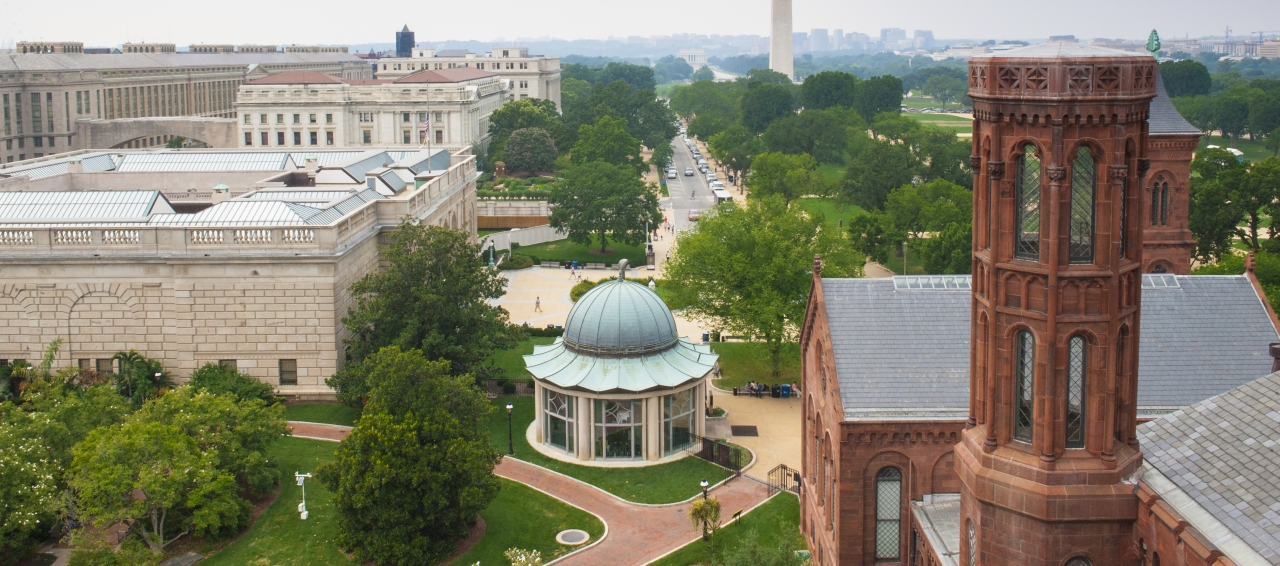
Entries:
{"x":140,"y":378}
{"x":705,"y":513}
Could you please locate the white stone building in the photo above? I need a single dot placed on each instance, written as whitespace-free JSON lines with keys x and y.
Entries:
{"x":446,"y":109}
{"x":259,"y":279}
{"x":531,"y":76}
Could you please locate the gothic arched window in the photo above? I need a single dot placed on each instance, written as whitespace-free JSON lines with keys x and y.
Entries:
{"x":1155,"y":202}
{"x":1025,"y":385}
{"x":1164,"y":203}
{"x":1078,"y":561}
{"x":1028,"y":203}
{"x":1083,"y":189}
{"x":1076,"y":369}
{"x":888,"y":513}
{"x":973,"y":546}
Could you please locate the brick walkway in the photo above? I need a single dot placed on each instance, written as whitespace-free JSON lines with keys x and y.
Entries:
{"x":637,"y":533}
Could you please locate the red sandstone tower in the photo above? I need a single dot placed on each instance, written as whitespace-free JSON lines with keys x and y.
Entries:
{"x":1059,"y":132}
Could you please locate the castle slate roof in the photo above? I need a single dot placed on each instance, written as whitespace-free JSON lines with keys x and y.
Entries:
{"x":1224,"y":452}
{"x":902,"y":349}
{"x":1164,"y":118}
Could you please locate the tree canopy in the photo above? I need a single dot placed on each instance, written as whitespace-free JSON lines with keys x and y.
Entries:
{"x":704,"y":73}
{"x":879,"y":94}
{"x":606,"y":201}
{"x":828,"y":89}
{"x":670,"y":69}
{"x":786,"y":176}
{"x":824,"y":134}
{"x":765,"y":102}
{"x":1185,"y":78}
{"x":935,"y":218}
{"x":746,"y":269}
{"x":417,"y":469}
{"x":609,"y":141}
{"x":880,"y":167}
{"x":530,"y":150}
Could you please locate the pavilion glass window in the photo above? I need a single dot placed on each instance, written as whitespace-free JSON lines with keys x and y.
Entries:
{"x":1076,"y":370}
{"x":1083,"y":192}
{"x":619,"y":429}
{"x":1028,"y":205}
{"x":677,"y":420}
{"x":888,"y":513}
{"x":1025,"y":385}
{"x":559,"y":421}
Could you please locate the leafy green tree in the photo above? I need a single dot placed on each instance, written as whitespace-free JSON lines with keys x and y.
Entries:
{"x":530,"y":150}
{"x":432,"y":294}
{"x":707,"y":98}
{"x":820,"y":133}
{"x":736,"y":148}
{"x":767,"y":76}
{"x":706,"y":126}
{"x":895,"y":127}
{"x":929,"y":207}
{"x":670,"y":69}
{"x":949,"y":251}
{"x":607,"y":141}
{"x":879,"y":94}
{"x":704,"y":74}
{"x":29,"y":491}
{"x":875,"y":236}
{"x":745,"y":270}
{"x":638,"y":77}
{"x":176,"y":142}
{"x":1199,"y":110}
{"x":754,"y":553}
{"x":1264,"y":113}
{"x":1273,"y":142}
{"x":880,"y":168}
{"x":787,"y":176}
{"x":605,"y":201}
{"x":935,"y":218}
{"x":1231,"y":114}
{"x":140,"y":378}
{"x":662,"y":155}
{"x":763,"y":103}
{"x":942,"y":155}
{"x":522,"y":114}
{"x":221,"y":380}
{"x":167,"y":472}
{"x":1212,"y":219}
{"x":945,"y":89}
{"x":1185,"y":78}
{"x":417,"y":468}
{"x":829,"y":88}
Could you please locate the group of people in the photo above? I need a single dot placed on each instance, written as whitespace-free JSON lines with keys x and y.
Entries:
{"x":761,"y":389}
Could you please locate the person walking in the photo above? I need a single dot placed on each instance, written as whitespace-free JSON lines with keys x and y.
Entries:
{"x":537,"y":304}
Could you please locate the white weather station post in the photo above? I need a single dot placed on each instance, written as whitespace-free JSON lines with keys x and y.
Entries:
{"x":302,"y":507}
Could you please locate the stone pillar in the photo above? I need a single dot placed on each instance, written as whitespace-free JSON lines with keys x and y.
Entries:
{"x":700,"y":396}
{"x":582,"y":419}
{"x":538,"y":413}
{"x":653,"y":449}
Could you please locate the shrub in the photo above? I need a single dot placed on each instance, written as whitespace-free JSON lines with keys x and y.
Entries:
{"x":548,"y":332}
{"x":516,"y":261}
{"x":508,"y":387}
{"x":218,"y":380}
{"x":581,"y":289}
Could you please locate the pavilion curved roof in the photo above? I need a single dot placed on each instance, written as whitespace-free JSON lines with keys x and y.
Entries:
{"x":562,"y":367}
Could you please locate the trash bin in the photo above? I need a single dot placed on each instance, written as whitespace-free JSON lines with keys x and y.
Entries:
{"x":735,"y":391}
{"x":575,"y":264}
{"x":777,"y":391}
{"x":786,"y":390}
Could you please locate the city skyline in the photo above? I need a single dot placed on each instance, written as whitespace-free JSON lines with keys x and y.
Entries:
{"x":243,"y":22}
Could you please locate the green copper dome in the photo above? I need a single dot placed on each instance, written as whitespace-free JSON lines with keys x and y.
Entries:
{"x":620,"y":318}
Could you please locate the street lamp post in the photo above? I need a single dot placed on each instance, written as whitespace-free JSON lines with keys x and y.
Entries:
{"x":302,"y":507}
{"x":704,"y":485}
{"x":511,"y":447}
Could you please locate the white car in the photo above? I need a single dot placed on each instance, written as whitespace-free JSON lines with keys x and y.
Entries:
{"x":688,"y":171}
{"x":671,"y":173}
{"x":717,"y":185}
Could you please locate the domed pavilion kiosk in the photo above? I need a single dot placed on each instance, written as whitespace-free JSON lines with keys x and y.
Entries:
{"x":620,"y":385}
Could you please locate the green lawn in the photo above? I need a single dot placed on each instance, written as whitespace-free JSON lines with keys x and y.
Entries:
{"x":774,"y":523}
{"x":565,"y":250}
{"x":280,"y":537}
{"x":665,"y":483}
{"x":512,"y":361}
{"x":741,"y":362}
{"x":830,"y":208}
{"x":329,"y":413}
{"x":915,"y":265}
{"x":832,"y":172}
{"x":1253,"y":151}
{"x":528,"y":519}
{"x":950,"y":122}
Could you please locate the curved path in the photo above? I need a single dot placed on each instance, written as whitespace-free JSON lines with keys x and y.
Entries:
{"x":637,"y":534}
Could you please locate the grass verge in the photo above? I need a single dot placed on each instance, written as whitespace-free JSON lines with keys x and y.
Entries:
{"x":775,"y":522}
{"x":328,"y":413}
{"x":521,"y":517}
{"x":664,"y":483}
{"x":915,"y":266}
{"x":566,"y":250}
{"x":830,"y":208}
{"x":741,"y":362}
{"x":512,"y":360}
{"x":1253,"y":150}
{"x":950,"y":122}
{"x":280,"y":537}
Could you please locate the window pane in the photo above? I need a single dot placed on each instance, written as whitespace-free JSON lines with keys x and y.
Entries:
{"x":1075,"y":392}
{"x":1124,"y":219}
{"x":887,"y":539}
{"x":1025,"y":386}
{"x":1083,"y":186}
{"x":1028,"y":205}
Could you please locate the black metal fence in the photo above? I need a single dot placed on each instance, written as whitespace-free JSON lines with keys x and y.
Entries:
{"x":782,"y":478}
{"x":722,"y":453}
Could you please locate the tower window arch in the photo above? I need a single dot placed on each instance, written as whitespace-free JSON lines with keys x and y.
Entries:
{"x":1084,"y":180}
{"x":1028,"y":205}
{"x":1078,"y":561}
{"x":1160,"y":202}
{"x":973,"y":546}
{"x":1076,"y":369}
{"x":1164,"y":203}
{"x":1025,"y":386}
{"x":888,"y":513}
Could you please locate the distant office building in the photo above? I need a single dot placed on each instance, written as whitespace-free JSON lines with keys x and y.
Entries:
{"x":448,"y":109}
{"x":1270,"y":49}
{"x":924,"y":39}
{"x":800,"y":41}
{"x":818,"y":40}
{"x":781,"y":41}
{"x":1063,"y":38}
{"x":890,"y":36}
{"x":149,"y":48}
{"x":49,"y":47}
{"x":837,"y":39}
{"x":314,"y":49}
{"x":258,"y":49}
{"x":217,"y":48}
{"x":404,"y":42}
{"x":531,"y":76}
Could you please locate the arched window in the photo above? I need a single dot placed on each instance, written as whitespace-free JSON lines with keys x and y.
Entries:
{"x":1078,"y":561}
{"x":1076,"y":369}
{"x":1155,"y":559}
{"x":1142,"y":552}
{"x":822,"y":478}
{"x":1164,"y":203}
{"x":1083,"y":188}
{"x":822,"y":363}
{"x":1155,"y":202}
{"x":888,"y":513}
{"x":1025,"y":385}
{"x":1124,"y":218}
{"x":973,"y":546}
{"x":1028,"y":203}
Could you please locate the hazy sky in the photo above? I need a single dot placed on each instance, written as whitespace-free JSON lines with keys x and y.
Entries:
{"x":98,"y":23}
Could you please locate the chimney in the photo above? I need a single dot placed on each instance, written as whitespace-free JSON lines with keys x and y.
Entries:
{"x":75,"y":166}
{"x":1274,"y":350}
{"x":312,"y":164}
{"x":220,"y":193}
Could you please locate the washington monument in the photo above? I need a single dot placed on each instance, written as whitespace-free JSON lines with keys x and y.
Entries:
{"x":780,"y":58}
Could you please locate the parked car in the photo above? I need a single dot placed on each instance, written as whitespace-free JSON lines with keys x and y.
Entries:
{"x":688,"y":171}
{"x":694,"y":216}
{"x":717,"y":185}
{"x":671,"y":173}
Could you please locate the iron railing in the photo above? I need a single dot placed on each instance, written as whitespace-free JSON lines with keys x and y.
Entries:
{"x":782,"y":478}
{"x":723,"y":454}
